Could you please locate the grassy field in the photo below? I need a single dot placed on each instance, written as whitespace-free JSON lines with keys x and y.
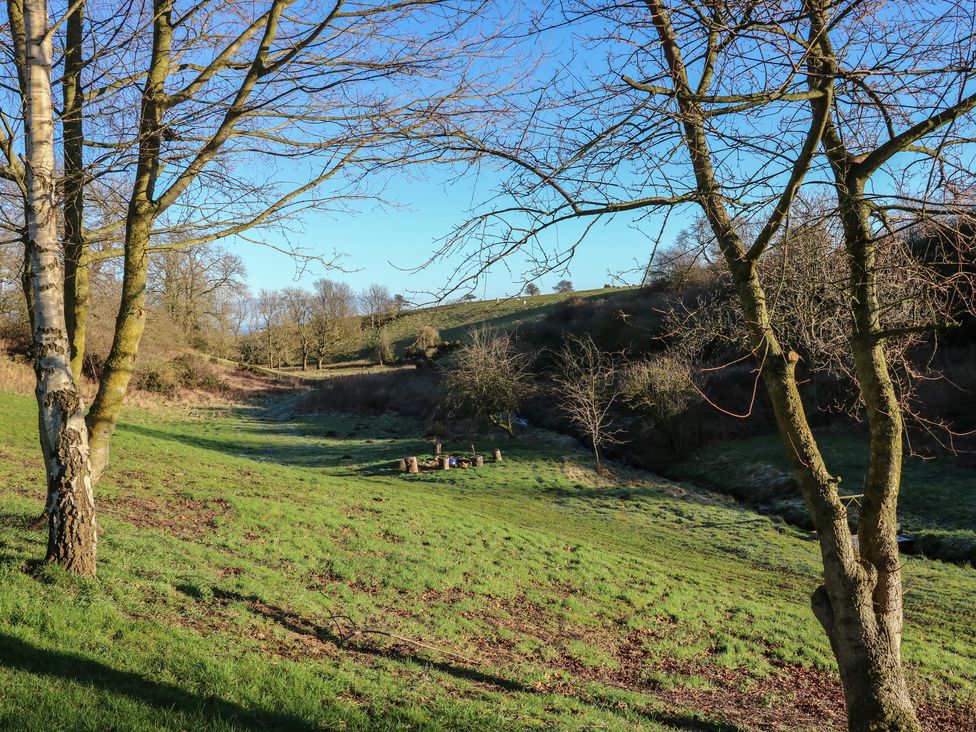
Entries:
{"x":259,"y":571}
{"x":937,"y":506}
{"x":455,"y":319}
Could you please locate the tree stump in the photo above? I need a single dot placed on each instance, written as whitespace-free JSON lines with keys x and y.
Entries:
{"x":479,"y":461}
{"x":403,"y":464}
{"x":498,"y":456}
{"x":412,"y":465}
{"x":445,"y":462}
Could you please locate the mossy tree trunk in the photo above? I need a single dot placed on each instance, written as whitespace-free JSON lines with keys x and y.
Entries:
{"x":146,"y":204}
{"x":866,"y":634}
{"x":131,"y":319}
{"x":859,"y":604}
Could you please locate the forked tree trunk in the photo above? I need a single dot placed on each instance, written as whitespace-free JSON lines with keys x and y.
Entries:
{"x":146,"y":205}
{"x":64,"y":436}
{"x":142,"y":211}
{"x":860,"y":604}
{"x":866,"y":638}
{"x":865,"y":626}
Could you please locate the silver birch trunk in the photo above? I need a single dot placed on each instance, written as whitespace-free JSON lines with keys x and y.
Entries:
{"x":71,"y":507}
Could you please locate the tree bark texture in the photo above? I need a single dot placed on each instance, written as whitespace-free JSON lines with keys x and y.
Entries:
{"x":72,"y":536}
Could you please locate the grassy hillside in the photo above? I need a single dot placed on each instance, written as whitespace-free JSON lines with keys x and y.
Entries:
{"x":268,"y":574}
{"x":455,"y":319}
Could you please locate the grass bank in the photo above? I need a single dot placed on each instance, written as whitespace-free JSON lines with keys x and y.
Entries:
{"x":260,"y":571}
{"x":936,"y":507}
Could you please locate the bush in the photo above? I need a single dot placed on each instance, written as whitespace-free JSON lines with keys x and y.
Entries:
{"x":661,"y":389}
{"x":488,"y":380}
{"x":192,"y":372}
{"x":186,"y":371}
{"x":385,"y":353}
{"x":158,"y":378}
{"x":429,"y":337}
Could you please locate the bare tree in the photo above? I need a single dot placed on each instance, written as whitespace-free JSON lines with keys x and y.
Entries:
{"x":376,"y":302}
{"x":563,"y":287}
{"x":334,"y":322}
{"x":661,"y":389}
{"x":269,"y":312}
{"x":489,"y":379}
{"x":64,"y":437}
{"x":196,"y":288}
{"x":14,"y":324}
{"x":531,"y":289}
{"x":428,"y":338}
{"x":383,"y":347}
{"x":298,"y":310}
{"x":588,"y":388}
{"x":727,"y":107}
{"x":192,"y":113}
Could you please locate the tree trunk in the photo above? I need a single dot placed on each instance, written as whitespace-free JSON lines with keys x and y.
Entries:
{"x":71,"y":508}
{"x":129,"y":326}
{"x":859,"y":605}
{"x":142,"y":212}
{"x":875,"y":690}
{"x":76,"y":284}
{"x":878,"y":696}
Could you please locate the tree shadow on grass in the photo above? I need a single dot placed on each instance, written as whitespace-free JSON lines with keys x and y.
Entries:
{"x":359,"y":643}
{"x":299,"y":453}
{"x":19,"y":655}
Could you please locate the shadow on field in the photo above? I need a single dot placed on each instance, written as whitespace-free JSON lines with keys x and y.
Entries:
{"x":360,"y":447}
{"x":19,"y":655}
{"x":358,"y":643}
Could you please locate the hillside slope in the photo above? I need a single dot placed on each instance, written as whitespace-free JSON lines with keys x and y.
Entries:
{"x":454,"y":319}
{"x":260,"y":574}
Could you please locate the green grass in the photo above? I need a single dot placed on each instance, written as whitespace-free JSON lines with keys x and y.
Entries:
{"x":237,"y":553}
{"x":937,"y":504}
{"x":455,"y":319}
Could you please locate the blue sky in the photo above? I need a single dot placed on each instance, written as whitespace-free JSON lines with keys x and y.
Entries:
{"x":383,"y":244}
{"x":386,"y":244}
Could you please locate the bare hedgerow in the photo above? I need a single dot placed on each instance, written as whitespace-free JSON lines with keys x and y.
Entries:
{"x":588,"y":387}
{"x":489,"y":379}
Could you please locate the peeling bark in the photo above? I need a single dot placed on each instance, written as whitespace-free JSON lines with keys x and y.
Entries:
{"x":64,"y":437}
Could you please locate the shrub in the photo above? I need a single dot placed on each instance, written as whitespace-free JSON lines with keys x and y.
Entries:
{"x":384,"y":347}
{"x":192,"y":372}
{"x":158,"y":378}
{"x":186,"y":371}
{"x":488,"y":380}
{"x":661,"y":389}
{"x":429,"y":337}
{"x":587,"y":388}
